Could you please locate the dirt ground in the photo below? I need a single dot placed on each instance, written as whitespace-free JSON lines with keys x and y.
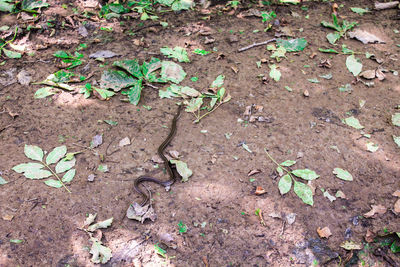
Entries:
{"x":218,"y":202}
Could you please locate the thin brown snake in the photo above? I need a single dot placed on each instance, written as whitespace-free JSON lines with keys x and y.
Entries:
{"x":160,"y":151}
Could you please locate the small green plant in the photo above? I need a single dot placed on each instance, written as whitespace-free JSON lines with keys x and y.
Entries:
{"x":40,"y":170}
{"x":340,"y":30}
{"x":160,"y":251}
{"x":182,"y":227}
{"x":72,"y":61}
{"x":233,"y":4}
{"x":4,"y":43}
{"x":302,"y":190}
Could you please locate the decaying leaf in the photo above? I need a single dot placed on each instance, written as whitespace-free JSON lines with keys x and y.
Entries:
{"x":365,"y":37}
{"x":324,"y":232}
{"x":101,"y":254}
{"x":139,"y":213}
{"x":396,"y":208}
{"x":396,"y":193}
{"x":100,"y":225}
{"x":340,"y":194}
{"x":90,"y":219}
{"x":182,"y":169}
{"x":375,"y":209}
{"x":369,"y":236}
{"x":350,"y":245}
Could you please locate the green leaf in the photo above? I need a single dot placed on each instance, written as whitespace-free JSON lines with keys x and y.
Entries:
{"x":159,"y":250}
{"x":330,"y":25}
{"x":60,"y":76}
{"x":330,"y":50}
{"x":178,"y":52}
{"x":268,"y":16}
{"x":182,"y":227}
{"x":218,"y":82}
{"x":16,"y":241}
{"x":326,"y":76}
{"x":346,"y":88}
{"x":30,"y":5}
{"x":285,"y":183}
{"x":131,"y":66}
{"x":148,"y":68}
{"x":101,"y":254}
{"x":27,"y":167}
{"x":346,"y":50}
{"x":11,"y":54}
{"x":304,"y":192}
{"x":313,"y":80}
{"x":45,"y":92}
{"x":194,"y":104}
{"x":201,"y":52}
{"x":33,"y":152}
{"x":102,"y":168}
{"x":37,"y":174}
{"x":274,"y":73}
{"x":62,"y":54}
{"x":182,"y":5}
{"x":100,"y":225}
{"x":55,"y":155}
{"x":5,"y":6}
{"x":396,"y":139}
{"x":333,"y":37}
{"x":354,"y":65}
{"x":221,"y":93}
{"x":306,"y":174}
{"x":353,"y":122}
{"x":104,"y":93}
{"x":2,"y":181}
{"x":53,"y":183}
{"x":173,"y":72}
{"x":134,"y":92}
{"x":342,"y":174}
{"x":288,"y":163}
{"x":279,"y":53}
{"x":395,"y":247}
{"x":182,"y":169}
{"x":65,"y":165}
{"x":68,"y":176}
{"x":116,"y":80}
{"x":371,"y":147}
{"x":292,"y":45}
{"x":396,"y":119}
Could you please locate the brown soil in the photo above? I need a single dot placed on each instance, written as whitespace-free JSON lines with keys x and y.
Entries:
{"x":218,"y":202}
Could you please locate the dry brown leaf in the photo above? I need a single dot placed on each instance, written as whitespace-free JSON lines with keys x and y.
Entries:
{"x":175,"y":154}
{"x":324,"y":232}
{"x":397,"y":206}
{"x":260,"y":191}
{"x":396,"y":193}
{"x":258,"y":108}
{"x":368,"y":74}
{"x":340,"y":194}
{"x":253,"y":118}
{"x":375,"y":209}
{"x":380,"y":75}
{"x":325,"y":63}
{"x":313,"y":55}
{"x":247,"y":111}
{"x":235,"y":69}
{"x":8,"y":217}
{"x":252,"y":172}
{"x":369,"y":236}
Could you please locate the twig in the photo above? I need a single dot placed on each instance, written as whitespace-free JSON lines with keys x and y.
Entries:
{"x":255,"y":45}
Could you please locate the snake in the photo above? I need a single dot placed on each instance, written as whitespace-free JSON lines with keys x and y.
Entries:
{"x":172,"y":178}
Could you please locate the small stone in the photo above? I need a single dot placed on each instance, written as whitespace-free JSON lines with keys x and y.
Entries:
{"x":233,"y":39}
{"x":91,"y":177}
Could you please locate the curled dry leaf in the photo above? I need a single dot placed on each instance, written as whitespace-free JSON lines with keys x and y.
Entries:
{"x":379,"y":74}
{"x":252,"y":172}
{"x":324,"y":232}
{"x":368,"y":74}
{"x":369,"y":236}
{"x":235,"y":69}
{"x":260,"y":191}
{"x":375,"y":209}
{"x":325,"y":63}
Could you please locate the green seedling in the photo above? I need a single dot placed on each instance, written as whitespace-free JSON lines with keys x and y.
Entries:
{"x":71,"y":60}
{"x":303,"y":191}
{"x":340,"y":30}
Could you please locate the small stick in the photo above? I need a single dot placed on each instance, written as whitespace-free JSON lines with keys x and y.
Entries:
{"x":255,"y":45}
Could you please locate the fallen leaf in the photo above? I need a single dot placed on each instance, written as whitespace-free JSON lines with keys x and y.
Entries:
{"x":379,"y":74}
{"x":365,"y":37}
{"x":369,"y":236}
{"x":350,"y":245}
{"x":247,"y":111}
{"x":324,"y":232}
{"x":329,"y":196}
{"x":124,"y":142}
{"x":260,"y":191}
{"x":368,"y":74}
{"x":290,"y":218}
{"x":375,"y":209}
{"x":397,"y":206}
{"x":8,"y":217}
{"x":174,"y":154}
{"x":340,"y":194}
{"x":252,"y":172}
{"x":139,"y":213}
{"x":396,"y":193}
{"x":235,"y":69}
